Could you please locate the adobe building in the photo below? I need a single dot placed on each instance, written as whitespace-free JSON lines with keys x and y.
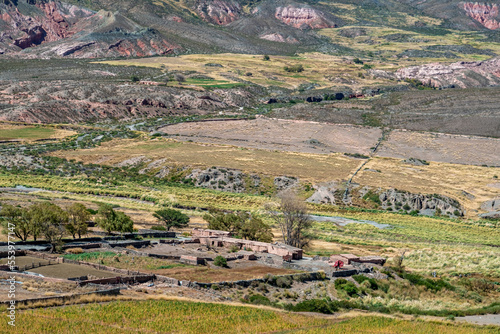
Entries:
{"x":216,"y":238}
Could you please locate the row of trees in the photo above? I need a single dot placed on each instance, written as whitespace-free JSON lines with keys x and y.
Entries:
{"x":51,"y":222}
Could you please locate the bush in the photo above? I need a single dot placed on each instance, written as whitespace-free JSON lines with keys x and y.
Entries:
{"x":266,"y":58}
{"x":259,"y":300}
{"x":313,"y":305}
{"x":294,"y":68}
{"x":158,"y":228}
{"x":135,"y":78}
{"x":360,"y":279}
{"x":234,"y":249}
{"x":357,"y":61}
{"x":433,"y":285}
{"x":220,"y":261}
{"x":344,"y":285}
{"x":283,"y":282}
{"x":74,"y":250}
{"x":406,"y":207}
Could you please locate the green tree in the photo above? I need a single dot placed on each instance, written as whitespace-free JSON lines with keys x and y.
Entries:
{"x":16,"y":219}
{"x":51,"y":220}
{"x":254,"y":228}
{"x":171,"y":218}
{"x":110,"y":220}
{"x":245,"y":225}
{"x":78,"y":217}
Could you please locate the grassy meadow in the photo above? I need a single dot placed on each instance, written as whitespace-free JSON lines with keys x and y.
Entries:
{"x":319,"y":68}
{"x":174,"y":316}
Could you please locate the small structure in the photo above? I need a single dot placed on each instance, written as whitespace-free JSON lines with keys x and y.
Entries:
{"x":197,"y":232}
{"x":193,"y":260}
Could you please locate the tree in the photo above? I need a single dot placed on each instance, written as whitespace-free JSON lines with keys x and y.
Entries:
{"x":51,"y":220}
{"x":78,"y":217}
{"x":110,"y":220}
{"x":221,"y":220}
{"x":179,"y":78}
{"x":245,"y":225}
{"x":254,"y":228}
{"x":292,"y":219}
{"x":171,"y":218}
{"x":16,"y":219}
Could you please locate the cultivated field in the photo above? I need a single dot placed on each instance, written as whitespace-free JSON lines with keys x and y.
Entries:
{"x":457,"y":149}
{"x":283,"y":135}
{"x":166,"y":316}
{"x":30,"y":133}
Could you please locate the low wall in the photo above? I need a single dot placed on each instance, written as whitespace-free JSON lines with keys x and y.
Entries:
{"x":120,"y":280}
{"x":114,"y":291}
{"x":17,"y":253}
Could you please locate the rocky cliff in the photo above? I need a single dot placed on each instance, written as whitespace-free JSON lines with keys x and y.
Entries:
{"x":459,"y":74}
{"x":303,"y":17}
{"x":73,"y":102}
{"x":41,"y":29}
{"x":218,"y":11}
{"x":387,"y":199}
{"x":485,"y":14}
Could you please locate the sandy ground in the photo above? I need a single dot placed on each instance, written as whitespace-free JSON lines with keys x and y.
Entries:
{"x":469,"y":150}
{"x":285,"y":135}
{"x":487,"y":319}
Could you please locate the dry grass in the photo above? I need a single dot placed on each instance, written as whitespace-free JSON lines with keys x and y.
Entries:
{"x":319,"y":68}
{"x":311,"y":167}
{"x":374,"y":41}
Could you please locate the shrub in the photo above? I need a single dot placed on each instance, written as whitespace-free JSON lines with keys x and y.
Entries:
{"x":313,"y":305}
{"x":234,"y":249}
{"x":283,"y":282}
{"x":74,"y":250}
{"x":406,"y":207}
{"x":357,"y":61}
{"x":158,"y":228}
{"x":266,"y":58}
{"x":294,"y":68}
{"x":360,"y":279}
{"x":134,"y":78}
{"x":344,"y":285}
{"x":259,"y":300}
{"x":220,"y":261}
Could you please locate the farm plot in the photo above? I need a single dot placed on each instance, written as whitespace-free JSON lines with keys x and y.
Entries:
{"x":67,"y":270}
{"x":283,"y":135}
{"x":30,"y":133}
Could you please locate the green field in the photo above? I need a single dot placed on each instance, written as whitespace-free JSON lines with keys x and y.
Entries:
{"x":31,"y":133}
{"x":162,"y":316}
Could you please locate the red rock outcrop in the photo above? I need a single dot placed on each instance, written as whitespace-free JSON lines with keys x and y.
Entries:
{"x":484,"y":13}
{"x":460,"y":74}
{"x":218,"y":11}
{"x":303,"y":17}
{"x":64,"y":30}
